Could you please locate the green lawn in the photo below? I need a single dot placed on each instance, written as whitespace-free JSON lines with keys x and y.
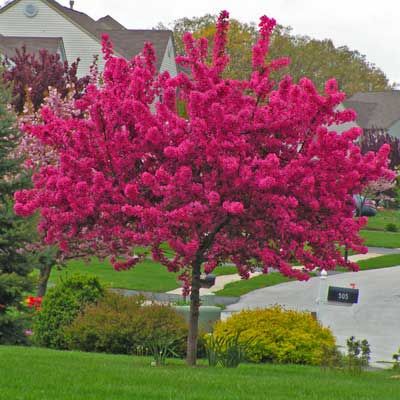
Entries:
{"x":381,"y":239}
{"x":382,"y":218}
{"x":225,"y":270}
{"x":239,"y":288}
{"x":147,"y":276}
{"x":390,"y":260}
{"x":38,"y":374}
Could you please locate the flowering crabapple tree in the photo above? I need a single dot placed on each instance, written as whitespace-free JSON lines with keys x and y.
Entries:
{"x":251,"y":174}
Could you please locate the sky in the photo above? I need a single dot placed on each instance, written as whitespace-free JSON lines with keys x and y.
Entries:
{"x":371,"y":27}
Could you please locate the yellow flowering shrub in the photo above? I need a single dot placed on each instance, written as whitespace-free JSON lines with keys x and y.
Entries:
{"x":278,"y":335}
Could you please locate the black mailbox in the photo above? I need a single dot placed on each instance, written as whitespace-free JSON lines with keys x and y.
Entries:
{"x":343,"y":295}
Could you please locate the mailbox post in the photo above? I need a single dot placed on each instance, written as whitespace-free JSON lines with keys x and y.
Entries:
{"x":321,"y":292}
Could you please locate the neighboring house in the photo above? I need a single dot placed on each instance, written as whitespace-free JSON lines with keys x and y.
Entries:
{"x":377,"y":111}
{"x":42,"y":23}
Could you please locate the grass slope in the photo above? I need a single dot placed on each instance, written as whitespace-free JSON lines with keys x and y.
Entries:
{"x":389,"y":260}
{"x":38,"y":374}
{"x":146,"y":276}
{"x":382,"y":218}
{"x":239,"y":288}
{"x":381,"y":239}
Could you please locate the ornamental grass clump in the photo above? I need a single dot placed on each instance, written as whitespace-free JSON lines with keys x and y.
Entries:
{"x":278,"y":335}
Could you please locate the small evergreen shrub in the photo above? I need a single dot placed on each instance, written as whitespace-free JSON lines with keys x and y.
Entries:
{"x":127,"y":325}
{"x":358,"y":354}
{"x":13,"y":319}
{"x":396,"y":361}
{"x":278,"y":335}
{"x":61,"y":306}
{"x":391,"y":227}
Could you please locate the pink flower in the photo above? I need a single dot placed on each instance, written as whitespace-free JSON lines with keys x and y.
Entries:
{"x":233,"y":207}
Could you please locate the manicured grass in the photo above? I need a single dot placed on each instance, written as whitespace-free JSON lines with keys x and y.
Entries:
{"x":147,"y":276}
{"x":381,"y":239}
{"x":225,"y":270}
{"x":38,"y":374}
{"x":389,"y":260}
{"x":382,"y":218}
{"x":239,"y":288}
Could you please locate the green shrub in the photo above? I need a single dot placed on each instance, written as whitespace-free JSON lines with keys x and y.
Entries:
{"x":126,"y":325}
{"x":396,"y":361}
{"x":391,"y":227}
{"x":13,"y":319}
{"x":358,"y":354}
{"x":61,"y":306}
{"x":278,"y":335}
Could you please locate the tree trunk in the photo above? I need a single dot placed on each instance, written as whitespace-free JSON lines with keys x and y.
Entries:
{"x":43,"y":279}
{"x":194,"y":315}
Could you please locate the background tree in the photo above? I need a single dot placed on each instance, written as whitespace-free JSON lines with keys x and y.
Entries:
{"x":15,"y":232}
{"x":32,"y":75}
{"x":317,"y":59}
{"x":251,"y":175}
{"x":373,"y":139}
{"x":380,"y":191}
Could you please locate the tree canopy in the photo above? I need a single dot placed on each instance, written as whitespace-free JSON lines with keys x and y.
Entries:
{"x":251,"y":174}
{"x":313,"y":58}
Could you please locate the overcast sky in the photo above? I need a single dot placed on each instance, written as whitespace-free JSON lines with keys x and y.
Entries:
{"x":371,"y":27}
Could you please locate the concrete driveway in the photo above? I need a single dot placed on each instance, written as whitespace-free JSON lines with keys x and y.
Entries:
{"x":376,"y":317}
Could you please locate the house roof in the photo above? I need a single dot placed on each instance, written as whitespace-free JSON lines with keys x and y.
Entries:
{"x":376,"y":109}
{"x":108,"y":22}
{"x":8,"y":44}
{"x":130,"y":42}
{"x":127,"y":42}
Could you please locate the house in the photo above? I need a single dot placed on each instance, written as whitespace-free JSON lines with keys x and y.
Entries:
{"x":73,"y":34}
{"x":377,"y":111}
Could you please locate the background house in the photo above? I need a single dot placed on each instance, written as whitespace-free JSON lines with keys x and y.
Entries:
{"x":377,"y":111}
{"x":47,"y":24}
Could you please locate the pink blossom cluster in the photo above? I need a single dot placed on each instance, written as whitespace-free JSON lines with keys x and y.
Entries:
{"x":252,"y":174}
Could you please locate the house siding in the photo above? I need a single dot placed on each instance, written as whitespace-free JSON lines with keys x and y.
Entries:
{"x":168,"y":62}
{"x":49,"y":23}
